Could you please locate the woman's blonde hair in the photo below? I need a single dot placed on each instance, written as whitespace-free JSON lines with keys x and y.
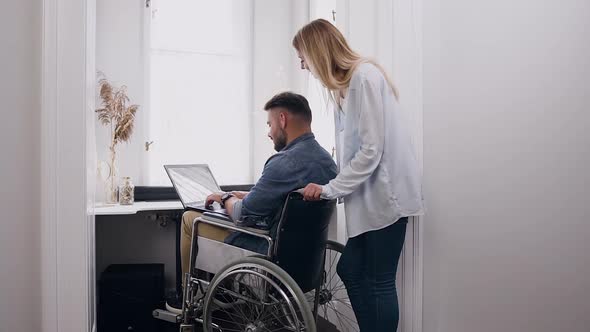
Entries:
{"x":329,"y":57}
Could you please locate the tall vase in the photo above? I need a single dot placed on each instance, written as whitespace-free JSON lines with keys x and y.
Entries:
{"x":111,"y":183}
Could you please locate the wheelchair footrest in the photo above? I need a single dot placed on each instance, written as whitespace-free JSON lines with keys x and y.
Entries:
{"x":166,"y":316}
{"x":187,"y":328}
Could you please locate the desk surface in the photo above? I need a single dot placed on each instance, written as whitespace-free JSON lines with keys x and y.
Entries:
{"x":102,"y":209}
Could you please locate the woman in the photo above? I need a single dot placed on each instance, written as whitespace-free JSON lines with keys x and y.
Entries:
{"x":379,"y":178}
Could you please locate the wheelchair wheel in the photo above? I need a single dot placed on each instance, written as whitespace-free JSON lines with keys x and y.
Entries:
{"x":256,"y":295}
{"x":334,"y":305}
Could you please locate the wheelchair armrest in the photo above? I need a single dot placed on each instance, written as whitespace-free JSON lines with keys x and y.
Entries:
{"x":219,"y":221}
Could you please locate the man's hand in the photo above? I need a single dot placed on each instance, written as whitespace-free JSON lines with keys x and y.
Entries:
{"x":312,"y":192}
{"x":240,"y":194}
{"x":215,"y":197}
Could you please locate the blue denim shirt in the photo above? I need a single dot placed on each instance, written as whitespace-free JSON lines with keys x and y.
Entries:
{"x":301,"y":162}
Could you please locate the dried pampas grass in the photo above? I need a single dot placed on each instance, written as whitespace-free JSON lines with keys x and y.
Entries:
{"x":115,"y":114}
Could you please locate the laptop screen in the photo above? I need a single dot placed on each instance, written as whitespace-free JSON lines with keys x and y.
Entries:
{"x":193,"y":183}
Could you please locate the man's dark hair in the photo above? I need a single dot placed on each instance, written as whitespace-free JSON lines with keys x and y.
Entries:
{"x":293,"y":103}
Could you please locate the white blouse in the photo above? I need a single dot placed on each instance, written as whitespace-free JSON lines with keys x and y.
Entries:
{"x":379,"y":177}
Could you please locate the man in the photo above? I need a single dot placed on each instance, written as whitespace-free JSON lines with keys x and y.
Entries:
{"x":299,"y":160}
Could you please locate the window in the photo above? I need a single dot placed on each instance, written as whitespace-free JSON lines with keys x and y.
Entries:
{"x":199,"y":87}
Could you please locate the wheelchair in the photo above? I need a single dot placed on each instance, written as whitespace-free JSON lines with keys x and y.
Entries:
{"x":290,"y":288}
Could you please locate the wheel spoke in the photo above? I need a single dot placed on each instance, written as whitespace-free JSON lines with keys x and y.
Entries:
{"x":257,"y":295}
{"x":335,"y":295}
{"x":343,"y":318}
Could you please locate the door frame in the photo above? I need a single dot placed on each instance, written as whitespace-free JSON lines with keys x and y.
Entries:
{"x":67,"y":218}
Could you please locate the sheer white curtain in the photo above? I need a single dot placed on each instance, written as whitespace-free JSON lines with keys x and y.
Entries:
{"x":200,"y":87}
{"x":389,"y":32}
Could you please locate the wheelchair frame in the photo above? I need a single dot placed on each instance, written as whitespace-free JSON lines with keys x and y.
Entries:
{"x":196,"y":307}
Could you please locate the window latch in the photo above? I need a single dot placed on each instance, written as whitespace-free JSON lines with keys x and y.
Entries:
{"x":147,"y":145}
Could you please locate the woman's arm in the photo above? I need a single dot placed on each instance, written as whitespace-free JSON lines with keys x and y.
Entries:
{"x":371,"y":128}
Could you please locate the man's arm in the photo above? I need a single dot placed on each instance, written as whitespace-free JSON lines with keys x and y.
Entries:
{"x":281,"y":174}
{"x":278,"y":178}
{"x":233,"y":205}
{"x":240,"y":194}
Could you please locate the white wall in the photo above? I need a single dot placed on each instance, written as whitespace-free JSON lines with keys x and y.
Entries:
{"x":506,"y":160}
{"x":20,"y":287}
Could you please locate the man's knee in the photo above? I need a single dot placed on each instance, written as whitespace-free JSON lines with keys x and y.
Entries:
{"x":187,"y":221}
{"x":212,"y":232}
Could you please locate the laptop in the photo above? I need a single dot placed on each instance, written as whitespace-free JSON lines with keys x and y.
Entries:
{"x":193,"y":183}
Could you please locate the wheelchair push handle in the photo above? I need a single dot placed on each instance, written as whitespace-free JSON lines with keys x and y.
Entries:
{"x":300,"y":194}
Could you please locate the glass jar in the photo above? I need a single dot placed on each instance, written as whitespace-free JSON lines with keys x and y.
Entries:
{"x":126,"y":191}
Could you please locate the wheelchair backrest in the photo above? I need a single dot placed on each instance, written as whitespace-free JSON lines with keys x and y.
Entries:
{"x":301,"y":237}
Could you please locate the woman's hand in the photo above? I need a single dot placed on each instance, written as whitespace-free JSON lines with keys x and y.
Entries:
{"x":312,"y":192}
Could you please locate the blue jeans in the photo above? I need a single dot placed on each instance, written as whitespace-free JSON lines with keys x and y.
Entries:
{"x":368,"y":267}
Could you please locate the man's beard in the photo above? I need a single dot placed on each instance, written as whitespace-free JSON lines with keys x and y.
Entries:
{"x":280,"y":141}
